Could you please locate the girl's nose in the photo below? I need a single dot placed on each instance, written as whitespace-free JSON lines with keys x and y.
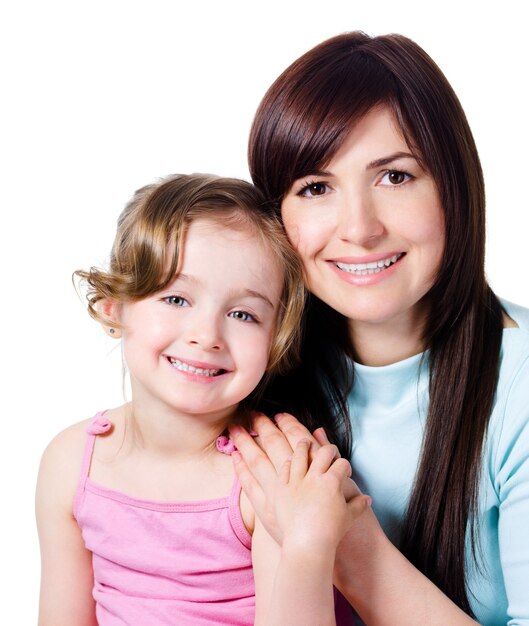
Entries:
{"x":359,"y":222}
{"x":205,"y":335}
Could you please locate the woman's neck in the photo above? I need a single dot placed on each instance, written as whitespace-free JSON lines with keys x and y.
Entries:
{"x":382,"y":343}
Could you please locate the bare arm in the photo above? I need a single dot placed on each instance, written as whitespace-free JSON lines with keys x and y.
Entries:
{"x":66,"y":566}
{"x":312,"y":515}
{"x":377,"y":580}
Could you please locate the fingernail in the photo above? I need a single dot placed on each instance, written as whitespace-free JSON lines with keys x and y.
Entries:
{"x":369,"y":500}
{"x":234,"y":430}
{"x":324,"y":433}
{"x":278,"y":417}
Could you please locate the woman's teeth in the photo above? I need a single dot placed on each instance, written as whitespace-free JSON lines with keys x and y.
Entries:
{"x":362,"y":269}
{"x":184,"y":367}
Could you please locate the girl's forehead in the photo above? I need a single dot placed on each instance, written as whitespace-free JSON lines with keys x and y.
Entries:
{"x":229,"y":246}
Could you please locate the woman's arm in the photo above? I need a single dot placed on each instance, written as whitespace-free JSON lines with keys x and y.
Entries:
{"x":378,"y":581}
{"x":312,"y":515}
{"x":66,"y":565}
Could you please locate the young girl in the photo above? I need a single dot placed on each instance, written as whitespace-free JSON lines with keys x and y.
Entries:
{"x":140,"y":517}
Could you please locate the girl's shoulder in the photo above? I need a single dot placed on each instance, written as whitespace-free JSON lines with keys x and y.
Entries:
{"x":60,"y":466}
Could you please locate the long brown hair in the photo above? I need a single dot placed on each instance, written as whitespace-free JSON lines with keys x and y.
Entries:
{"x":301,"y":123}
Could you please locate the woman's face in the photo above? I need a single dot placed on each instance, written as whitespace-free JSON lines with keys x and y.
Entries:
{"x":370,"y":227}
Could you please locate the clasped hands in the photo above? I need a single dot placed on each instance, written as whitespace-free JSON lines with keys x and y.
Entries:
{"x":299,"y":487}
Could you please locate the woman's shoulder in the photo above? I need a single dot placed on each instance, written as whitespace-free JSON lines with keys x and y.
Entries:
{"x":515,"y":346}
{"x":509,"y":427}
{"x":519,"y":314}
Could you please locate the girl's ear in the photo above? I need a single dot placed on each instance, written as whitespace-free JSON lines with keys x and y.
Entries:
{"x":109,"y":310}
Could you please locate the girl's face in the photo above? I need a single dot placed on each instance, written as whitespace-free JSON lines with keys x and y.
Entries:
{"x":201,"y":345}
{"x":370,"y":228}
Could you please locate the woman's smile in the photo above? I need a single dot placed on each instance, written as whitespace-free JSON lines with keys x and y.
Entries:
{"x":370,"y":228}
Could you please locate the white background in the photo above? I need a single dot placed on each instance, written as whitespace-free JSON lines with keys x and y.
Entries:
{"x":100,"y":98}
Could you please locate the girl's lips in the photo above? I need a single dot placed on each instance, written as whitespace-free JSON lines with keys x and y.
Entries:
{"x":197,"y":370}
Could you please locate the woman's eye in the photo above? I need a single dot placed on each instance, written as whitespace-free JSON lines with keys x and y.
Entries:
{"x":395,"y":178}
{"x":313,"y":189}
{"x":176,"y":301}
{"x":242,"y":316}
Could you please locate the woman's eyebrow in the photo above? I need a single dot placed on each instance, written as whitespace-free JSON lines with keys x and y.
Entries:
{"x":389,"y":159}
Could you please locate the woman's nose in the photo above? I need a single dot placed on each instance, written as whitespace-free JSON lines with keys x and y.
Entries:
{"x":359,"y":222}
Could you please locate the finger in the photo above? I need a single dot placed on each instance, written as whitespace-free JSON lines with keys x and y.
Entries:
{"x":321,"y":436}
{"x":285,"y":472}
{"x":300,"y":460}
{"x":273,"y":442}
{"x":358,"y":505}
{"x":262,"y":469}
{"x":324,"y":458}
{"x":294,"y":430}
{"x":341,"y":468}
{"x":350,"y":489}
{"x":249,"y":484}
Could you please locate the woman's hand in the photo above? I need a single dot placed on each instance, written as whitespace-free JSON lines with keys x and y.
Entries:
{"x":309,"y":504}
{"x":257,"y":466}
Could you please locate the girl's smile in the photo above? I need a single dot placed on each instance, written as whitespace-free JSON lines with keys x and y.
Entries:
{"x":197,"y":371}
{"x":202,"y":344}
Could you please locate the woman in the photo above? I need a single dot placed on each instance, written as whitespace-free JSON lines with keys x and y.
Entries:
{"x":364,"y":149}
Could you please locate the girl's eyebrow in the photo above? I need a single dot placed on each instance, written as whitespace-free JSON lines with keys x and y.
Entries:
{"x":260,"y":296}
{"x":245,"y":292}
{"x":389,"y":159}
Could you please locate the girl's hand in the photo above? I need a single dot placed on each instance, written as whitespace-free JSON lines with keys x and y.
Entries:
{"x":309,"y":504}
{"x":257,"y":466}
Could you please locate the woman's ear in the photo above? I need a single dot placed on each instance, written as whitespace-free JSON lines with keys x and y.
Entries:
{"x":109,"y":311}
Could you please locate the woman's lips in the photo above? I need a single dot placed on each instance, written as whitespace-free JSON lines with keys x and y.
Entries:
{"x":367,"y":270}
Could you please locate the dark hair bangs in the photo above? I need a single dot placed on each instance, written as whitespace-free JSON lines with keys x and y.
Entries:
{"x":303,"y":124}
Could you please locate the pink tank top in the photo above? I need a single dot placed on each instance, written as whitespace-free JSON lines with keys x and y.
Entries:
{"x":164,"y":563}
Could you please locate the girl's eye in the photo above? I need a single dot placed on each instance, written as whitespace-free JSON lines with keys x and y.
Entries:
{"x":176,"y":301}
{"x":313,"y":189}
{"x":395,"y":178}
{"x":242,"y":316}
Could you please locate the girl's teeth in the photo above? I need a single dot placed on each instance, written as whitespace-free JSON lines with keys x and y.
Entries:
{"x":374,"y":267}
{"x":184,"y":367}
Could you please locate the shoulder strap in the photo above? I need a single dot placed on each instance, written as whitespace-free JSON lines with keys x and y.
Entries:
{"x":234,"y":512}
{"x":98,"y":425}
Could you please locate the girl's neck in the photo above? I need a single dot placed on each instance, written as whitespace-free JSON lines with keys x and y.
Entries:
{"x":383,"y":343}
{"x":157,"y":429}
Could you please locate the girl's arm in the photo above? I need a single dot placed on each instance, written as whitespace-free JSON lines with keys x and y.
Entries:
{"x":66,"y":565}
{"x":294,"y":583}
{"x":377,"y":580}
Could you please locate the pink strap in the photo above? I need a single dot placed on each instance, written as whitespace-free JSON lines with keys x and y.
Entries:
{"x":225,"y":444}
{"x":99,"y":424}
{"x":234,"y":512}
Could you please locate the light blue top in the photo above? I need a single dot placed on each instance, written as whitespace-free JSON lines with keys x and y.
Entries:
{"x":388,"y":407}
